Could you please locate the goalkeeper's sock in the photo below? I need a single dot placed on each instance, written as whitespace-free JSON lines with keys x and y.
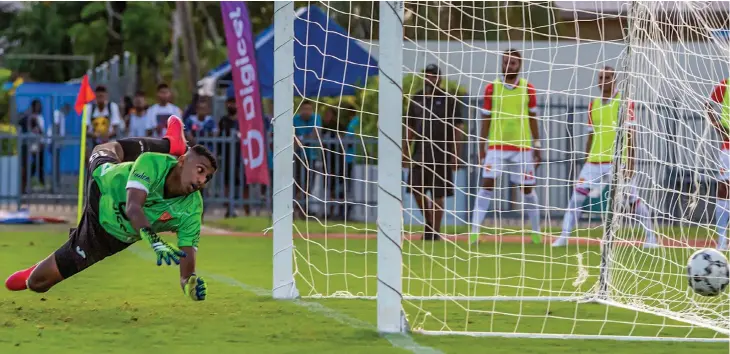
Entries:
{"x":533,"y":213}
{"x":574,"y":210}
{"x":645,"y":219}
{"x":722,"y":217}
{"x":481,"y":205}
{"x":133,"y":147}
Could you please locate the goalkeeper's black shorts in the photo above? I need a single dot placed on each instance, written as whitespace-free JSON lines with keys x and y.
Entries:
{"x":88,"y":243}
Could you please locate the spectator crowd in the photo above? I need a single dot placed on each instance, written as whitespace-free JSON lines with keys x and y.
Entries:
{"x":324,"y":143}
{"x":132,"y":117}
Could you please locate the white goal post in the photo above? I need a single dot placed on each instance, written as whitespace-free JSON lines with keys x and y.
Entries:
{"x":369,"y":160}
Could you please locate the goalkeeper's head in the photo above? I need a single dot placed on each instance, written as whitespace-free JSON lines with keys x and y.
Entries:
{"x":195,"y":169}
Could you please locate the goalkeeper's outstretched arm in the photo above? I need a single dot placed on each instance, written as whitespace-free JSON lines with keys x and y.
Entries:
{"x":187,"y":265}
{"x":188,"y":236}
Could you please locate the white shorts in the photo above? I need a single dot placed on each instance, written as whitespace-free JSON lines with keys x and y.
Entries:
{"x":724,"y":165}
{"x":518,"y":165}
{"x":594,"y":177}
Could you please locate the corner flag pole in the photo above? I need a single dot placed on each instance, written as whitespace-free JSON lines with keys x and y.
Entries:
{"x":82,"y":165}
{"x":85,"y":96}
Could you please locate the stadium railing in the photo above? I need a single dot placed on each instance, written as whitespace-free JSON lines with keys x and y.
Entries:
{"x":322,"y":185}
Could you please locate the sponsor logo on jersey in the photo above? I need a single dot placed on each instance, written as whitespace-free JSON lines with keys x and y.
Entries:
{"x":165,"y":217}
{"x":142,"y":177}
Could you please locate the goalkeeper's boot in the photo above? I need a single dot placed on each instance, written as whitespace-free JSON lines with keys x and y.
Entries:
{"x":176,"y":136}
{"x":19,"y":280}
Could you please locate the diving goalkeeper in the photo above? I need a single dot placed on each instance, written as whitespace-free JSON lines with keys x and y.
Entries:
{"x":138,"y":187}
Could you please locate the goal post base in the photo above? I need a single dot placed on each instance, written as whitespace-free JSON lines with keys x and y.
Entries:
{"x":287,"y":291}
{"x":571,"y":336}
{"x":403,"y":328}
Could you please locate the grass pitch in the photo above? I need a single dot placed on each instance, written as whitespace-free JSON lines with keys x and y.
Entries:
{"x":127,"y":304}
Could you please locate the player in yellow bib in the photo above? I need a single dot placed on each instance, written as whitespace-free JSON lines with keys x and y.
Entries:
{"x":603,"y":115}
{"x":510,"y":126}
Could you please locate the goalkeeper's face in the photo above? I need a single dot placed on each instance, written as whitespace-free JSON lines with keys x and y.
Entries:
{"x":195,"y":171}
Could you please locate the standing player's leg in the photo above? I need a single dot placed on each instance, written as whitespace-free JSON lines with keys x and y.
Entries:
{"x":590,"y":177}
{"x":491,"y":170}
{"x":525,"y":177}
{"x":722,"y":209}
{"x":642,"y":212}
{"x":443,"y":188}
{"x":420,"y":183}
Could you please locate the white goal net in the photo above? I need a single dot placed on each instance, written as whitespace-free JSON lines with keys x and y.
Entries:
{"x":536,"y":225}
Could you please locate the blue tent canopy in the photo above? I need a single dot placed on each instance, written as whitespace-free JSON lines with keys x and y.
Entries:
{"x":327,"y":62}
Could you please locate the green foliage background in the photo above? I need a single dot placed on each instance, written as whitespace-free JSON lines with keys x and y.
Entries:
{"x":107,"y":28}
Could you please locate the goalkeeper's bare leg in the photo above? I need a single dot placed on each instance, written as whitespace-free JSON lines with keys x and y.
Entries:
{"x":89,"y":243}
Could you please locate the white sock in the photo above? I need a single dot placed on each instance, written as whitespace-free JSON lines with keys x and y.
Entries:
{"x":645,"y":219}
{"x":572,"y":215}
{"x":481,"y":205}
{"x":532,"y":210}
{"x":722,"y":218}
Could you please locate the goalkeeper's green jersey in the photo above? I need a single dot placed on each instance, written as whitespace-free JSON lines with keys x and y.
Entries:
{"x":180,"y":214}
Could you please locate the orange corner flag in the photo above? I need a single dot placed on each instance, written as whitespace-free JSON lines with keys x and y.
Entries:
{"x":86,"y":95}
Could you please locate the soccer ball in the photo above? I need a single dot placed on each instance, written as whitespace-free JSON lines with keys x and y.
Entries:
{"x":707,"y":272}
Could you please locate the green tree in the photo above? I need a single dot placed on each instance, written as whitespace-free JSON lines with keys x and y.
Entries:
{"x":146,"y":32}
{"x":90,"y":35}
{"x":42,"y":29}
{"x":99,"y":31}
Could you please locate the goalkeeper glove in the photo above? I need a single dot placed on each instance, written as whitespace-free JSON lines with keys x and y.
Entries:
{"x":162,"y":249}
{"x":196,"y":288}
